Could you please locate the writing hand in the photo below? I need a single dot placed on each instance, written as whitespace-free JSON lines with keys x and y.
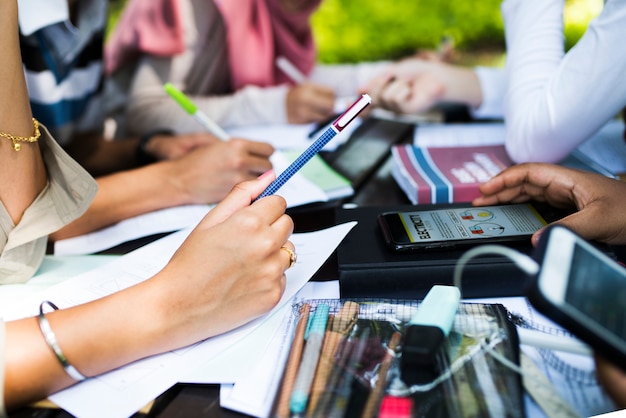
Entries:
{"x":169,"y":147}
{"x":231,"y":267}
{"x":208,"y":173}
{"x":309,"y":102}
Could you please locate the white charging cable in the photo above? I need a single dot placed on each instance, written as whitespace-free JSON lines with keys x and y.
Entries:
{"x":524,"y":262}
{"x":534,"y":382}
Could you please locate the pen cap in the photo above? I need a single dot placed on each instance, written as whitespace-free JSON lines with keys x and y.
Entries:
{"x":438,"y":308}
{"x":352,"y":112}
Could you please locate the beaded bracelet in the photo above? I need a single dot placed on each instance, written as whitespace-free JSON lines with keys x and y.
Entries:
{"x":17,"y":139}
{"x":51,"y":340}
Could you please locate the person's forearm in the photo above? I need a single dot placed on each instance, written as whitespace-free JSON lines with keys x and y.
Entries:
{"x":100,"y":156}
{"x":347,"y":79}
{"x":95,"y":337}
{"x":15,"y":114}
{"x":22,"y":173}
{"x":462,"y":86}
{"x":126,"y":194}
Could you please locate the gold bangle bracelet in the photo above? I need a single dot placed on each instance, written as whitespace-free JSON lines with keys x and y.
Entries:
{"x":17,"y":139}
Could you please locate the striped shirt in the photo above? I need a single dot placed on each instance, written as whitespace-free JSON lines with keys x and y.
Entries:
{"x":63,"y":66}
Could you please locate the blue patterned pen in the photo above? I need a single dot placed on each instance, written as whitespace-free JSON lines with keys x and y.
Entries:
{"x":337,"y":126}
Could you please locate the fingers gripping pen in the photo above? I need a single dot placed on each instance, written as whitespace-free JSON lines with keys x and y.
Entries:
{"x":337,"y":126}
{"x":426,"y":333}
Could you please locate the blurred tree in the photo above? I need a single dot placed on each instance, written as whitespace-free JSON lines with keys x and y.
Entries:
{"x":351,"y":31}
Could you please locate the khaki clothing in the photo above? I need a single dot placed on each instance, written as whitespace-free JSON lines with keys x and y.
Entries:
{"x":67,"y":196}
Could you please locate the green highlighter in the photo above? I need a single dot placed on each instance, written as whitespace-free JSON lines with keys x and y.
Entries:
{"x":426,"y":333}
{"x":191,"y":108}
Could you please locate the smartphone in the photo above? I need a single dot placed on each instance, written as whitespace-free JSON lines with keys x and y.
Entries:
{"x":456,"y":227}
{"x":582,"y":289}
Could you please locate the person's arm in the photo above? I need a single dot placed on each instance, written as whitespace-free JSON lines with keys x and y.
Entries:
{"x":613,"y":379}
{"x":414,"y":85}
{"x":556,"y":100}
{"x":22,"y":173}
{"x":233,"y":269}
{"x":101,"y":156}
{"x":595,"y":197}
{"x":492,"y":81}
{"x":204,"y":175}
{"x":346,"y":80}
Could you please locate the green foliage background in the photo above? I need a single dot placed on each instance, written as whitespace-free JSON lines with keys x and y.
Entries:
{"x":353,"y":30}
{"x":357,"y":30}
{"x":350,"y":31}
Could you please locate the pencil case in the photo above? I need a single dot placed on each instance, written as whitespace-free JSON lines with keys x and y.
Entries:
{"x":356,"y":371}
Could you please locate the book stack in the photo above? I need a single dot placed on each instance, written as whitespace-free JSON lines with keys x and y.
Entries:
{"x":447,"y":163}
{"x":430,"y":175}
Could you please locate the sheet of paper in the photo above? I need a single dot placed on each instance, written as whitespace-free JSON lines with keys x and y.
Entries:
{"x":291,"y":136}
{"x":254,"y":391}
{"x":462,"y":134}
{"x":160,"y":221}
{"x":235,"y":364}
{"x":122,"y":392}
{"x":53,"y":270}
{"x":572,"y":375}
{"x":254,"y":395}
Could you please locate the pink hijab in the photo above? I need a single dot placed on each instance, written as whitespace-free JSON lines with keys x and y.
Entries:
{"x":258,"y":31}
{"x":146,"y":26}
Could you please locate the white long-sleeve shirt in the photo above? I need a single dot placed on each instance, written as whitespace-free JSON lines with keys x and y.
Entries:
{"x":553,"y":101}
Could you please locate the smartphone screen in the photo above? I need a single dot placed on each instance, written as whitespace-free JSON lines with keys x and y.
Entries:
{"x":584,"y":290}
{"x":459,"y":226}
{"x":594,"y":286}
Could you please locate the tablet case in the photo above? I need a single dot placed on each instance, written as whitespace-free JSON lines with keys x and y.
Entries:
{"x":368,"y":268}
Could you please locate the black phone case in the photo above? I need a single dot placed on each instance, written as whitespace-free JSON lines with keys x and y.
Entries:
{"x":616,"y":355}
{"x":369,"y":268}
{"x":443,"y":245}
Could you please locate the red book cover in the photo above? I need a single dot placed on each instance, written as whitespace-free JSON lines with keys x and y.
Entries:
{"x":446,"y":174}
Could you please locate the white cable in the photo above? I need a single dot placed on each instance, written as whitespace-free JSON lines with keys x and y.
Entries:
{"x":530,"y":267}
{"x":524,"y":262}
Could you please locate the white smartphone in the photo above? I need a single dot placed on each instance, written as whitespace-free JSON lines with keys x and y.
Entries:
{"x":584,"y":290}
{"x":457,"y":227}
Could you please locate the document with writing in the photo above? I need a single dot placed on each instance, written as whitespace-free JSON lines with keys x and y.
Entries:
{"x":122,"y":392}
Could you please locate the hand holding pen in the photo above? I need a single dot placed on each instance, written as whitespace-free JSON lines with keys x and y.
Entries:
{"x":306,"y":101}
